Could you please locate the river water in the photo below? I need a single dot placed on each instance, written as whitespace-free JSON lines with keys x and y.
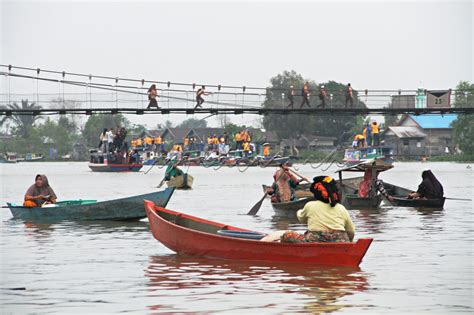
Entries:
{"x":421,"y":261}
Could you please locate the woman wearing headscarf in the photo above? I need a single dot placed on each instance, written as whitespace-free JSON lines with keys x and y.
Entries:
{"x":39,"y":193}
{"x":285,"y":182}
{"x":430,"y":187}
{"x":327,"y":219}
{"x":365,"y":186}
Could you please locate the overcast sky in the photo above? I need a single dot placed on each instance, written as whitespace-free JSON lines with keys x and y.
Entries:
{"x":373,"y":45}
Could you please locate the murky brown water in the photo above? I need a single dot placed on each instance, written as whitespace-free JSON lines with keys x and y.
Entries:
{"x":421,"y":261}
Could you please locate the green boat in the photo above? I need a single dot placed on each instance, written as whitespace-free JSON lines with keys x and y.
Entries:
{"x":123,"y":209}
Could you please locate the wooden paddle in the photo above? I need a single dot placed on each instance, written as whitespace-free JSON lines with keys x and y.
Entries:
{"x":257,"y":206}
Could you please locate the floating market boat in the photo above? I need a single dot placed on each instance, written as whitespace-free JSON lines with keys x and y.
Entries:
{"x":184,"y":181}
{"x":400,"y":199}
{"x":130,"y":208}
{"x":189,"y":235}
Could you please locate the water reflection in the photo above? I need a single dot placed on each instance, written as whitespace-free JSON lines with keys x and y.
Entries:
{"x":40,"y":232}
{"x":318,"y":288}
{"x":371,"y":220}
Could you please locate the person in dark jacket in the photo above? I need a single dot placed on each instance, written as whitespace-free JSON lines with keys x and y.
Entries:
{"x":430,"y":187}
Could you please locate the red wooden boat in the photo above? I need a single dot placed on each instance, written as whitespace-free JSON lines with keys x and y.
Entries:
{"x":189,"y":235}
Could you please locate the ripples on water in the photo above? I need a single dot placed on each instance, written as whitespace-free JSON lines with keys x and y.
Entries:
{"x":421,"y":260}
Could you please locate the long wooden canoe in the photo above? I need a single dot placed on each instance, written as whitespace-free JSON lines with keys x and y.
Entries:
{"x":184,"y":181}
{"x":130,"y":208}
{"x":400,"y":198}
{"x":189,"y":235}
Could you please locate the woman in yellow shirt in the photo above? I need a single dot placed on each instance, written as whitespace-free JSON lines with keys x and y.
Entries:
{"x":327,"y":219}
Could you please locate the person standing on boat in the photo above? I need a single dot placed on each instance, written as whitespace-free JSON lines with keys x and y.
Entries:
{"x":365,"y":186}
{"x":368,"y":135}
{"x":152,"y":97}
{"x":103,"y":141}
{"x":375,"y":133}
{"x":327,"y":219}
{"x":39,"y":193}
{"x":285,"y":182}
{"x":430,"y":187}
{"x":291,"y":96}
{"x":199,"y":100}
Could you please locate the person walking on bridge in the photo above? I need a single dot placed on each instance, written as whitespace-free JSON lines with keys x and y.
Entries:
{"x":152,"y":95}
{"x":323,"y":94}
{"x":349,"y":95}
{"x":305,"y":95}
{"x":199,"y":94}
{"x":291,"y":95}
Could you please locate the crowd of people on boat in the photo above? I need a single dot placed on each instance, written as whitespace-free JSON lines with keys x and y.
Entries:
{"x":369,"y":136}
{"x":215,"y":146}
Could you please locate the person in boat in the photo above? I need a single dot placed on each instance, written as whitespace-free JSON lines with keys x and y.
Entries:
{"x":40,"y":193}
{"x":134,"y":157}
{"x":327,"y":220}
{"x":367,"y":133}
{"x":365,"y":186}
{"x":172,"y":170}
{"x":285,"y":182}
{"x":430,"y":187}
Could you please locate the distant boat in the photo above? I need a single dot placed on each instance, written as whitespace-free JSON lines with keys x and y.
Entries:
{"x":9,"y":157}
{"x":357,"y":155}
{"x":189,"y":235}
{"x":102,"y":162}
{"x":32,"y":157}
{"x":129,"y":208}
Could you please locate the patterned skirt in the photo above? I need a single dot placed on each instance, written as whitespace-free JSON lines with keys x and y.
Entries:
{"x":314,"y":236}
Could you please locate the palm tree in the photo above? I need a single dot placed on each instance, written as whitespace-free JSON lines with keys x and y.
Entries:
{"x":23,"y":122}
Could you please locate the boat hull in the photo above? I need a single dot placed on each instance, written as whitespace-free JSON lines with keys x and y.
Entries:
{"x":115,"y":167}
{"x":400,"y":198}
{"x":184,"y":181}
{"x":289,"y":209}
{"x":188,"y":235}
{"x":130,"y":208}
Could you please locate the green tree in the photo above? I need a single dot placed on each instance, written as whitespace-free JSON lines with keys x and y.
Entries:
{"x":193,"y":123}
{"x":22,"y":123}
{"x":61,"y":138}
{"x":292,"y":125}
{"x":463,"y":126}
{"x":97,"y":123}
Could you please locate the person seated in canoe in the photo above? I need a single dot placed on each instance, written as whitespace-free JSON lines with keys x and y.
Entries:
{"x":365,"y":186}
{"x":327,"y":219}
{"x":40,"y":193}
{"x":172,"y":170}
{"x":430,"y":187}
{"x":285,"y":182}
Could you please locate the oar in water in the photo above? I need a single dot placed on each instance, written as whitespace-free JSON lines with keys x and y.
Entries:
{"x":257,"y":206}
{"x":458,"y":199}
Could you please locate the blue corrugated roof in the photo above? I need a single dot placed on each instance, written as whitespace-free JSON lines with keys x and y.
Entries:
{"x":434,"y":121}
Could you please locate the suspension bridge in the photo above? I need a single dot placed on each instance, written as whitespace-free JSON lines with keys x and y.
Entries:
{"x":51,"y":92}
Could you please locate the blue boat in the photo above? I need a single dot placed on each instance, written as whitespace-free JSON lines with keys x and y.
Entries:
{"x":130,"y":208}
